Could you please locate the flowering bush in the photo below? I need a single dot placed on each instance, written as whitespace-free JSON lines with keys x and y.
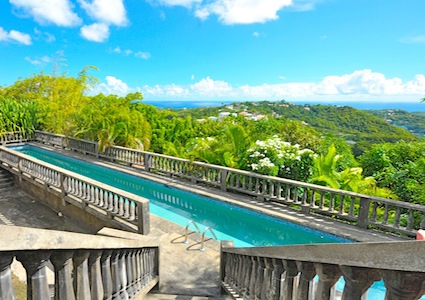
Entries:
{"x":275,"y":157}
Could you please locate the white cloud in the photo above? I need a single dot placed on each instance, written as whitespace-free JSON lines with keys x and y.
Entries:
{"x":58,"y":12}
{"x":211,"y":88}
{"x":106,"y":11}
{"x":44,"y":36}
{"x":239,"y":11}
{"x":128,"y":52}
{"x":113,"y":85}
{"x":39,"y":61}
{"x":142,"y":55}
{"x":184,"y":3}
{"x":97,"y":32}
{"x":359,"y":85}
{"x":15,"y":36}
{"x":243,"y":11}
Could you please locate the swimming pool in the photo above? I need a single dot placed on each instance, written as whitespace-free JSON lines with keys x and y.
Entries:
{"x":246,"y":228}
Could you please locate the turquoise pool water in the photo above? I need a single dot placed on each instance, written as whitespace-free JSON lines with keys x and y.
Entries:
{"x":245,"y":227}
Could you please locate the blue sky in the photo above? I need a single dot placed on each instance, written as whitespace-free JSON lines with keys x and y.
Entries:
{"x":297,"y":50}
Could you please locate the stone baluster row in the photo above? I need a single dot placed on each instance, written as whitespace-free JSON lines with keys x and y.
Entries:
{"x":82,"y":274}
{"x":254,"y":277}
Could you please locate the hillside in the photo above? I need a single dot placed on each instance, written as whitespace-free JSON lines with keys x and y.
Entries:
{"x":414,"y":122}
{"x":359,"y":127}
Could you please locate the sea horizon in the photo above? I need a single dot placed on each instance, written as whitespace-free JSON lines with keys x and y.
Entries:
{"x":362,"y":105}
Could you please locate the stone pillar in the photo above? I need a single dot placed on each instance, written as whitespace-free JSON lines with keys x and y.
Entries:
{"x":307,"y":273}
{"x":291,"y":271}
{"x":328,"y":276}
{"x":404,"y":285}
{"x":358,"y":281}
{"x":6,"y":286}
{"x":81,"y":274}
{"x":123,"y":275}
{"x":62,"y":261}
{"x":275,"y":289}
{"x":115,"y":272}
{"x":261,"y":267}
{"x":106,"y":274}
{"x":96,"y":284}
{"x":35,"y":263}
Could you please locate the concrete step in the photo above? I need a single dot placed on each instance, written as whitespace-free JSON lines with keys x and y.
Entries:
{"x":157,"y":296}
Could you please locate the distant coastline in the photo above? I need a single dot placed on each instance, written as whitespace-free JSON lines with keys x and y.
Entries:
{"x":407,"y":106}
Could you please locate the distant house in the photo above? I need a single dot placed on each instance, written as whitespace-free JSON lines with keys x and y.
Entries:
{"x":223,"y":114}
{"x":213,"y":118}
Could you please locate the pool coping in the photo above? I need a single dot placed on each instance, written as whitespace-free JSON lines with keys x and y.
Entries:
{"x":279,"y":211}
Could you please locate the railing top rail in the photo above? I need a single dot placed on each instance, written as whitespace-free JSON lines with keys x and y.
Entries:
{"x":401,"y":256}
{"x":23,"y":238}
{"x":77,"y":176}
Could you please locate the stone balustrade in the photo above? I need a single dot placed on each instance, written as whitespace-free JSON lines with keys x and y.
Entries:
{"x":14,"y":137}
{"x":311,"y":271}
{"x":362,"y":210}
{"x":84,"y":266}
{"x":117,"y":205}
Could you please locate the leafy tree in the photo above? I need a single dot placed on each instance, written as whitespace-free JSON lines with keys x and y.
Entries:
{"x":17,"y":116}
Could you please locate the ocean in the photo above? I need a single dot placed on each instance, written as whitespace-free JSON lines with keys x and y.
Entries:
{"x":362,"y":105}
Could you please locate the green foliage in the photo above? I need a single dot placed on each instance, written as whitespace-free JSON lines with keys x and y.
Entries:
{"x":17,"y":116}
{"x":351,"y":179}
{"x":399,"y":167}
{"x":414,"y":122}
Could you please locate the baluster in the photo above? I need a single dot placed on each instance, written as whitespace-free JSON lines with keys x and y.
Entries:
{"x":115,"y":272}
{"x":305,"y":284}
{"x":132,"y":214}
{"x":358,"y":281}
{"x":411,"y":221}
{"x":328,"y":276}
{"x":288,"y":193}
{"x":253,"y":279}
{"x":35,"y":263}
{"x":304,"y":197}
{"x":291,"y":271}
{"x":81,"y":273}
{"x":397,"y":217}
{"x":261,"y":267}
{"x":246,"y":272}
{"x":404,"y":285}
{"x":123,"y":275}
{"x":268,"y":270}
{"x":322,"y":199}
{"x":64,"y":287}
{"x":313,"y":198}
{"x":341,"y":205}
{"x":106,"y":274}
{"x":6,"y":285}
{"x":96,"y":283}
{"x":331,"y":202}
{"x":295,"y":194}
{"x":385,"y":220}
{"x":275,"y":289}
{"x":130,"y":275}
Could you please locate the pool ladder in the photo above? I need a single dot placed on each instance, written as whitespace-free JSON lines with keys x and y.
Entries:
{"x":199,"y":231}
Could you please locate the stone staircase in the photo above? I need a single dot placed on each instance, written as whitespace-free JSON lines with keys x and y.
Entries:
{"x":7,"y":182}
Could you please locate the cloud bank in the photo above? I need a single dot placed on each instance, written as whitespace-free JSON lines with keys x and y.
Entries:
{"x":231,"y":12}
{"x":15,"y":36}
{"x":360,"y":85}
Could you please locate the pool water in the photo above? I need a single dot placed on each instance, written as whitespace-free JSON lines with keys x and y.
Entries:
{"x":244,"y":227}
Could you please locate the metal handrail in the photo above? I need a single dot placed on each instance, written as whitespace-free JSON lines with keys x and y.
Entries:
{"x":203,"y":237}
{"x":187,"y":231}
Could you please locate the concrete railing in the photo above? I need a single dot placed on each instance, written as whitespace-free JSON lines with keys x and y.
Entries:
{"x":311,"y":271}
{"x":362,"y":210}
{"x":104,"y":201}
{"x":84,"y":266}
{"x":14,"y":137}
